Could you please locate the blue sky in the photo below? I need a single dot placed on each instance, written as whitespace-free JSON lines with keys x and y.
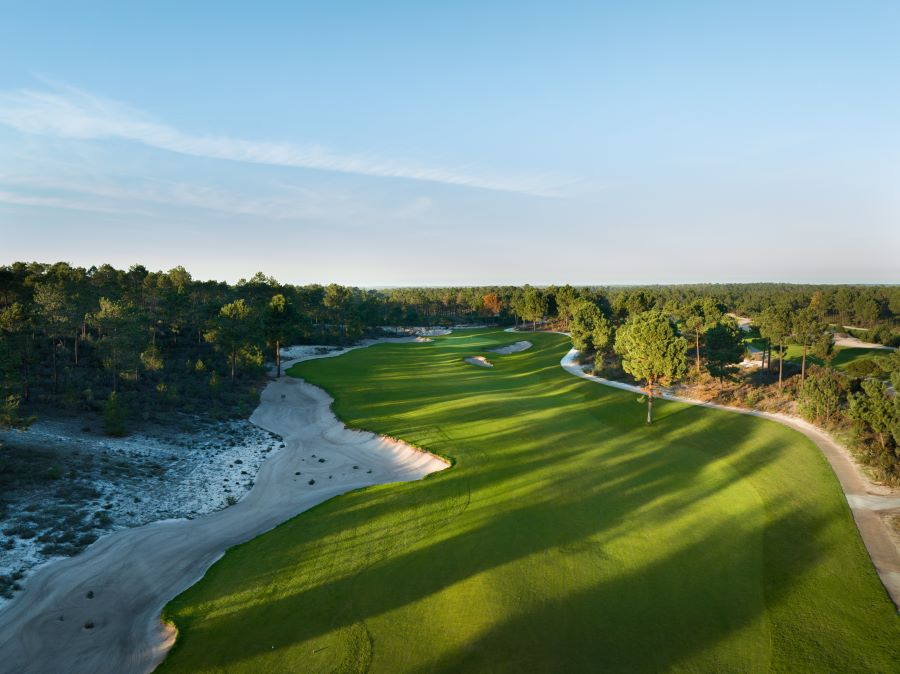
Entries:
{"x":411,"y":143}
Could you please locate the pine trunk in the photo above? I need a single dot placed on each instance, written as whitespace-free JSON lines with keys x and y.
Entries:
{"x":780,"y":363}
{"x":55,"y":370}
{"x":803,"y":367}
{"x":650,"y":401}
{"x":697,"y":335}
{"x":277,"y":359}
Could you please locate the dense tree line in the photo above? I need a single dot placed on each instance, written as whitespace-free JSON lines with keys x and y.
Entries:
{"x":136,"y":342}
{"x":646,"y":333}
{"x":867,"y":407}
{"x":140,"y":342}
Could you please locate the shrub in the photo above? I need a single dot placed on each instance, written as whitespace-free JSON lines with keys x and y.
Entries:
{"x":822,"y":395}
{"x":884,"y":335}
{"x":864,"y":367}
{"x":114,"y":416}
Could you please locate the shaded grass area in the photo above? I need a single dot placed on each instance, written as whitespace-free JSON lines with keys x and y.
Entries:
{"x":847,"y":355}
{"x":568,"y":537}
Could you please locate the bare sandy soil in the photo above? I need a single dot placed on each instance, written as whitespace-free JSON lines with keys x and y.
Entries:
{"x":743,"y":322}
{"x":852,"y":342}
{"x":870,"y":503}
{"x":512,"y":348}
{"x":840,"y":338}
{"x":480,"y":361}
{"x":64,"y":485}
{"x":99,"y":611}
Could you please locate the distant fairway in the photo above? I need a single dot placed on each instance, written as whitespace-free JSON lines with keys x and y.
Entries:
{"x":846,"y":355}
{"x":843,"y":355}
{"x":568,"y":537}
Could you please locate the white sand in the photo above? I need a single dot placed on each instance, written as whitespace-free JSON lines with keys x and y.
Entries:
{"x":513,"y":348}
{"x":849,"y":341}
{"x":480,"y":361}
{"x":168,"y":476}
{"x":134,"y":572}
{"x":743,"y":322}
{"x":865,"y":498}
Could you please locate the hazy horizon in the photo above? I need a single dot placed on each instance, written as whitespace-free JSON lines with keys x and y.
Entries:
{"x":397,"y":145}
{"x":456,"y":284}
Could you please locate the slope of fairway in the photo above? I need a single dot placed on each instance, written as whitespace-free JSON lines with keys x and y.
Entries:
{"x":568,"y":537}
{"x":847,"y":355}
{"x":843,"y":355}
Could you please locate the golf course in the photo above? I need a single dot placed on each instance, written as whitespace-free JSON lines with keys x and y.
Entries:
{"x":568,"y":535}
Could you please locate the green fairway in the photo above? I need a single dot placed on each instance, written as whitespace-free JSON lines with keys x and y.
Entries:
{"x":568,"y":536}
{"x":843,"y":355}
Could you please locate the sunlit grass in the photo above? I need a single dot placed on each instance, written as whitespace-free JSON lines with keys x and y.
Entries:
{"x":843,"y":355}
{"x":567,"y":537}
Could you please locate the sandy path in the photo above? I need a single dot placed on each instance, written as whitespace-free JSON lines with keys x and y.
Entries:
{"x":852,"y":342}
{"x":866,"y":500}
{"x":132,"y":573}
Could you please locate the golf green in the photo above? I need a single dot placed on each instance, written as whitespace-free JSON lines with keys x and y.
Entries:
{"x":568,"y":536}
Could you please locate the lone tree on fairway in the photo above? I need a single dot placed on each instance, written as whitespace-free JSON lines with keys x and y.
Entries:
{"x":651,"y":351}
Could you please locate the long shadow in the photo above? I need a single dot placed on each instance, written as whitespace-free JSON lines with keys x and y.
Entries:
{"x":617,"y":626}
{"x":628,"y":486}
{"x":527,"y":495}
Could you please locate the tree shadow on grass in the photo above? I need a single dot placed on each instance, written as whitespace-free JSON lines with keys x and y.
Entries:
{"x":520,"y":495}
{"x":660,"y":616}
{"x":563,"y":517}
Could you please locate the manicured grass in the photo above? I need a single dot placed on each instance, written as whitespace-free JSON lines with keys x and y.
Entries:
{"x":847,"y":355}
{"x":569,"y":536}
{"x":843,"y":355}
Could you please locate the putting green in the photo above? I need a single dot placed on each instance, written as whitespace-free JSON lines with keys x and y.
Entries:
{"x":568,"y":537}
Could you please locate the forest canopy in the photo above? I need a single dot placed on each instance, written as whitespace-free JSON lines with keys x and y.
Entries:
{"x":90,"y":338}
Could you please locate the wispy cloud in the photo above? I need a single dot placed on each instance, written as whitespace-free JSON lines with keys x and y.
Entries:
{"x":67,"y":112}
{"x":19,"y":199}
{"x":103,"y":195}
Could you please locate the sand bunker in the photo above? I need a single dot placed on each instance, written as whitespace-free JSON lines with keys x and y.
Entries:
{"x":99,"y":611}
{"x":849,"y":341}
{"x":512,"y":348}
{"x":415,"y":331}
{"x":480,"y":361}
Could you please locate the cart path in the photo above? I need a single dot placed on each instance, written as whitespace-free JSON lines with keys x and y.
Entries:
{"x":865,"y":499}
